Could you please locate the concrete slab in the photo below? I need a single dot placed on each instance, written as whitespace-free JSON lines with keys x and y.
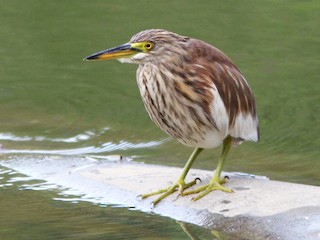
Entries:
{"x":258,"y":209}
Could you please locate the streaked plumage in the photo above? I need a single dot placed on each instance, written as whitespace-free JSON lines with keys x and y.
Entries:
{"x":190,"y":89}
{"x":195,"y":85}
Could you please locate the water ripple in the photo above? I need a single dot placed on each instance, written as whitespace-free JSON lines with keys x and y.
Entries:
{"x":106,"y":147}
{"x":85,"y":136}
{"x":74,"y":139}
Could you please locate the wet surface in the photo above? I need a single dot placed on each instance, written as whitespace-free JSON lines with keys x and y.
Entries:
{"x":32,"y":208}
{"x":86,"y":179}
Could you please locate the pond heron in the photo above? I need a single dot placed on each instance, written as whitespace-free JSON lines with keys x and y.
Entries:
{"x":193,"y":92}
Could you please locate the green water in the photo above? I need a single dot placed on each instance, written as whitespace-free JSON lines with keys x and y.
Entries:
{"x":49,"y":95}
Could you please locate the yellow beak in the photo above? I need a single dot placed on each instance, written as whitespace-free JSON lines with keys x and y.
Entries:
{"x":122,"y":51}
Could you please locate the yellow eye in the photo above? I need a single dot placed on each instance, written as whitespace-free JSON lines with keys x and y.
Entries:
{"x":149,"y":45}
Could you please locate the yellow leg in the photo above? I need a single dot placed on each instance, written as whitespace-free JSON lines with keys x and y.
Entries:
{"x":180,"y":184}
{"x":216,"y":182}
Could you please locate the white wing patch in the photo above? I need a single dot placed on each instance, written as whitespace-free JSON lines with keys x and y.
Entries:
{"x":245,"y":127}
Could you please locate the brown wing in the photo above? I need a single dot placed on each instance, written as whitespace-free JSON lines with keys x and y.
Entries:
{"x":212,"y":65}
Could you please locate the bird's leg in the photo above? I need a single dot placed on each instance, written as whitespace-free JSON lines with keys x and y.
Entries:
{"x":180,"y":184}
{"x":216,"y":182}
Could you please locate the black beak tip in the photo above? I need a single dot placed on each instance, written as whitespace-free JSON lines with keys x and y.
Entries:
{"x":91,"y":57}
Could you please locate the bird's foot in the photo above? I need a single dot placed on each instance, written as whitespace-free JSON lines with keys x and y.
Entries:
{"x":180,"y":186}
{"x":213,"y":185}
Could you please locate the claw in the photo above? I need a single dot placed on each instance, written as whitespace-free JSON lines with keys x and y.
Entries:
{"x":224,"y":179}
{"x":198,"y":179}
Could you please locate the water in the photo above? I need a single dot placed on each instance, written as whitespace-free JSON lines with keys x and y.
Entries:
{"x":52,"y":102}
{"x":40,"y":214}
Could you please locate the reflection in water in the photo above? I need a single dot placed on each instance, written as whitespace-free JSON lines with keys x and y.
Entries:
{"x":193,"y":233}
{"x":186,"y":229}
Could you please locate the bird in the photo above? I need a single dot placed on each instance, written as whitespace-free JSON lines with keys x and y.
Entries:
{"x":193,"y":92}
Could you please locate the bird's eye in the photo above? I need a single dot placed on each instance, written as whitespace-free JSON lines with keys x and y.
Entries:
{"x":149,"y":45}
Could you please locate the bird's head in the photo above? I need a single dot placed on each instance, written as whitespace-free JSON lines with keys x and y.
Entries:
{"x":151,"y":45}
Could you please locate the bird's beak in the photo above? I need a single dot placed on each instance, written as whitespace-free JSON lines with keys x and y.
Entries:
{"x":122,"y":51}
